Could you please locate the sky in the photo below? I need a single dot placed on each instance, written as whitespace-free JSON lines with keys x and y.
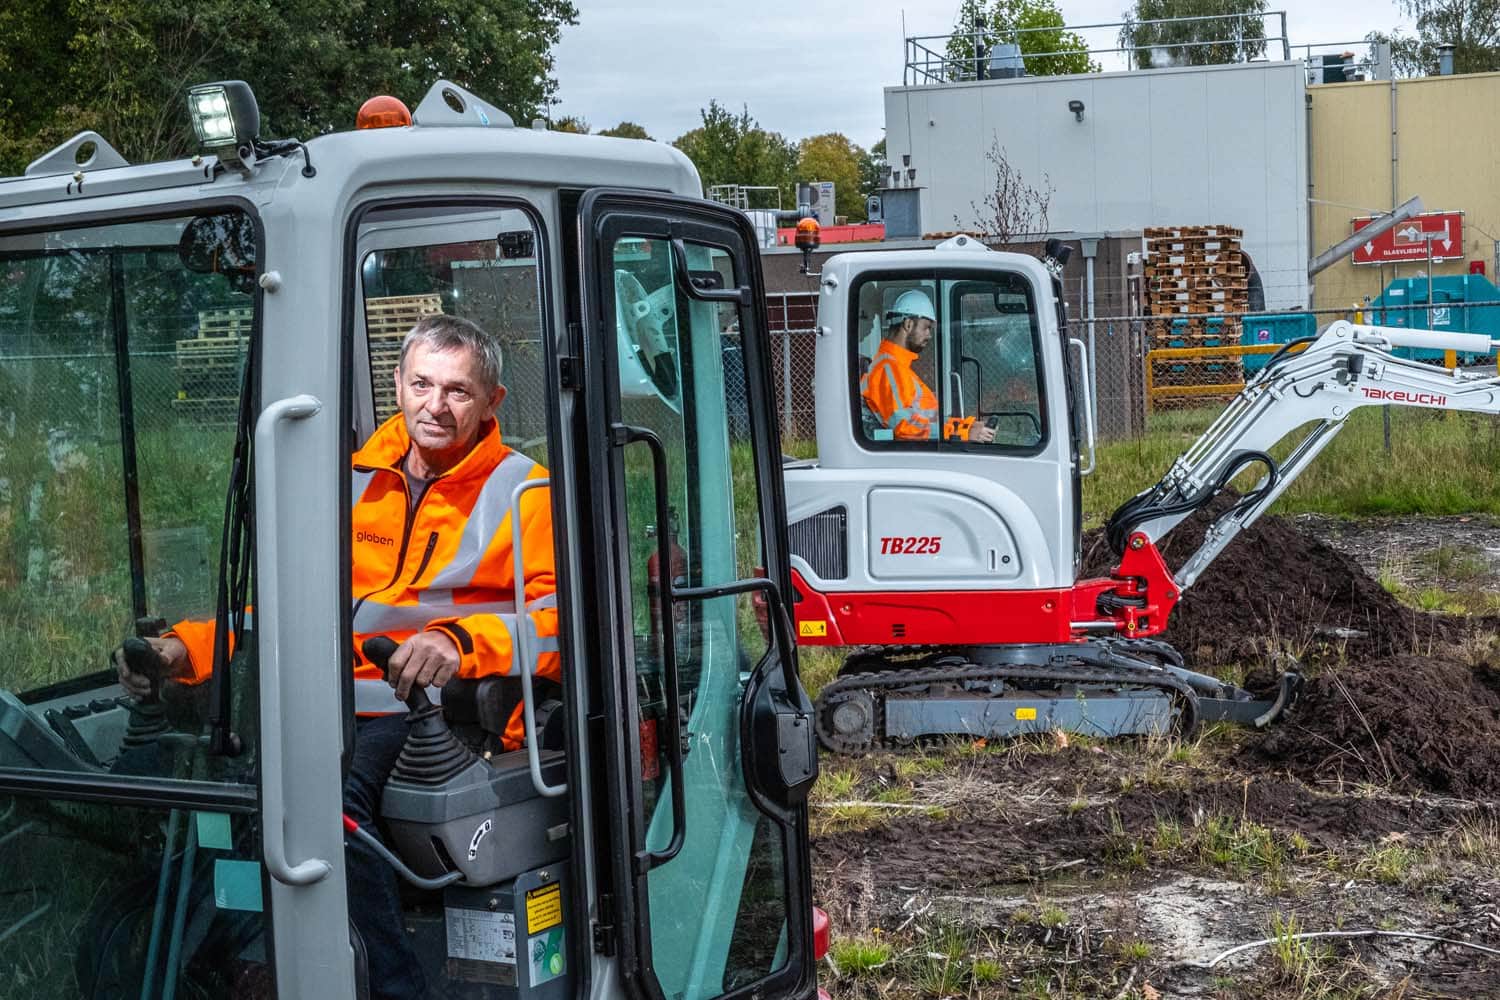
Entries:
{"x":804,"y":68}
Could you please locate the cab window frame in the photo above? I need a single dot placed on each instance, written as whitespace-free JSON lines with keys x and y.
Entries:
{"x":147,"y":791}
{"x":937,"y":277}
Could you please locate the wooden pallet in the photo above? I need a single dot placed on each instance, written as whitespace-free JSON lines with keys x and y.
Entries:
{"x":1196,"y":258}
{"x":227,"y":322}
{"x":1196,"y":282}
{"x":1189,"y":247}
{"x":394,"y":315}
{"x":1195,"y":269}
{"x":1183,"y":309}
{"x":1177,"y":232}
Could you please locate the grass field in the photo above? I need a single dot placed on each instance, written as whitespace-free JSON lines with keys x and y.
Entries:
{"x":1439,"y":463}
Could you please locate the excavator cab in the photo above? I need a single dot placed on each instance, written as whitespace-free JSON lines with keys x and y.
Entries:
{"x":945,"y":489}
{"x":190,"y":354}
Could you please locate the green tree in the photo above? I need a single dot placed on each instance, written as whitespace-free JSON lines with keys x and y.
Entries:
{"x":1472,"y":27}
{"x":832,"y":157}
{"x":734,"y":149}
{"x":626,"y":130}
{"x":873,"y":170}
{"x":1037,"y":26}
{"x":571,"y":123}
{"x":1238,"y":37}
{"x":122,"y":66}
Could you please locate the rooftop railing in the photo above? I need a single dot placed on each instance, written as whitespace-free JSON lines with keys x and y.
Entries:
{"x":990,"y":53}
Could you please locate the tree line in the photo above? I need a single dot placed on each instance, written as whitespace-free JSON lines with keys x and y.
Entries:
{"x":121,"y":67}
{"x":729,"y":148}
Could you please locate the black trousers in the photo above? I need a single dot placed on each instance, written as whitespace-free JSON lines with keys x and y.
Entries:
{"x":374,"y":902}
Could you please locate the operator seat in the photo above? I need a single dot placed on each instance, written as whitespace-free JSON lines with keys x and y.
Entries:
{"x":479,"y":709}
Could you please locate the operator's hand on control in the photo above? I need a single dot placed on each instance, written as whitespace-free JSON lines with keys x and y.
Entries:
{"x":981,"y":433}
{"x":427,"y":658}
{"x":172,"y":652}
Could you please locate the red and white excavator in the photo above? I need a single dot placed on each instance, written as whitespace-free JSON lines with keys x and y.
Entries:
{"x":953,"y":564}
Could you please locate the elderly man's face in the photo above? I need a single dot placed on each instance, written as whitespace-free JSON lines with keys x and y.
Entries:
{"x":444,"y":401}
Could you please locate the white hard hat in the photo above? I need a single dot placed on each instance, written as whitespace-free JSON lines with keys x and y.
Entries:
{"x":911,"y":303}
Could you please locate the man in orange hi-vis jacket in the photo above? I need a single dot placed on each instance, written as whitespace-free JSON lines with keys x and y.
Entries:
{"x":892,"y":391}
{"x":432,"y":570}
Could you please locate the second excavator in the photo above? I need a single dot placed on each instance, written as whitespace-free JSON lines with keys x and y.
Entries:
{"x":939,"y":530}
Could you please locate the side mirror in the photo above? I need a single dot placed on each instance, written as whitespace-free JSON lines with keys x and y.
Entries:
{"x":220,"y":244}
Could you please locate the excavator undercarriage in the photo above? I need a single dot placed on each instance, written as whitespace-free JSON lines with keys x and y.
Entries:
{"x":1102,"y":687}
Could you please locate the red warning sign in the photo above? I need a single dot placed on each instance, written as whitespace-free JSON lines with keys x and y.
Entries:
{"x":1407,"y":242}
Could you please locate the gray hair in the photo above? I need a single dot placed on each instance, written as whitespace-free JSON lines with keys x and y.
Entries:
{"x":450,"y":333}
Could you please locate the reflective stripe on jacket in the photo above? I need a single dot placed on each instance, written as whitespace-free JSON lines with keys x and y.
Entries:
{"x":442,"y":562}
{"x":897,"y":396}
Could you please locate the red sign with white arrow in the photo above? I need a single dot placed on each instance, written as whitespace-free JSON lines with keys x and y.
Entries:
{"x":1407,"y":242}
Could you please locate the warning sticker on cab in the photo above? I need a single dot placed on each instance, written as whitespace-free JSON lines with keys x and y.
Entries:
{"x":812,"y":629}
{"x":1025,"y":715}
{"x":543,"y":908}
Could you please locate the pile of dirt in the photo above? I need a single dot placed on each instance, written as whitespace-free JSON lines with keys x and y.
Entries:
{"x":1404,"y":722}
{"x":1387,"y":700}
{"x":1278,"y":588}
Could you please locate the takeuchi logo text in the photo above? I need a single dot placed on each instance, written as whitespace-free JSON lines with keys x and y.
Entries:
{"x":1402,"y":396}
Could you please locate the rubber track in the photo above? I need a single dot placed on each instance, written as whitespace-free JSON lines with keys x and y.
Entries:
{"x":886,"y":680}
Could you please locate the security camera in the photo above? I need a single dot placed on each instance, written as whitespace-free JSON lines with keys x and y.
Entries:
{"x":1077,"y":108}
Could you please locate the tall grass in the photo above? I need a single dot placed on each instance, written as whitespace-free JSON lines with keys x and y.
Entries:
{"x":1439,"y":463}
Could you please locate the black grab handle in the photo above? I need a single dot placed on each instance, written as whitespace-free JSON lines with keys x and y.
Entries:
{"x":378,"y":650}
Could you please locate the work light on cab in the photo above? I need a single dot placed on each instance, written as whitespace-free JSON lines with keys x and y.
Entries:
{"x":383,"y":111}
{"x":226,"y":118}
{"x":808,"y":237}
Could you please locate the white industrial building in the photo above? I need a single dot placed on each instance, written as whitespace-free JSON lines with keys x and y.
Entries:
{"x":1198,"y":145}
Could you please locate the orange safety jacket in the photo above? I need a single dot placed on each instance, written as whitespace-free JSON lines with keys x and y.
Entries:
{"x":897,"y":396}
{"x":441,"y":563}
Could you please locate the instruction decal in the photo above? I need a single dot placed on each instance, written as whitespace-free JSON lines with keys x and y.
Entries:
{"x":481,"y":935}
{"x":543,"y":907}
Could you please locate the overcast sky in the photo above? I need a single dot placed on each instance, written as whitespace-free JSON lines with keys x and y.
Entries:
{"x":812,"y":66}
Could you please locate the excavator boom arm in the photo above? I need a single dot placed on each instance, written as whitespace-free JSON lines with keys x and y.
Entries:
{"x":1312,"y":392}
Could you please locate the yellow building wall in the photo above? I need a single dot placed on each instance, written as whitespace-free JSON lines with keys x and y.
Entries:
{"x":1447,"y":150}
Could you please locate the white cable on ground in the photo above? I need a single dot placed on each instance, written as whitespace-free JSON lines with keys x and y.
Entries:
{"x":1347,"y":934}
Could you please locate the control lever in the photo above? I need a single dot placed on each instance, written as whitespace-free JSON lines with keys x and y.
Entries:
{"x":148,"y":718}
{"x":432,"y":754}
{"x":379,"y":650}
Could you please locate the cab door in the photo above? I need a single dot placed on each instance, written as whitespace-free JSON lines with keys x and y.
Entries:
{"x":706,"y":729}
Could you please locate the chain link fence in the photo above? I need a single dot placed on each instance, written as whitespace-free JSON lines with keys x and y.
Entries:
{"x":1142,"y":369}
{"x":792,"y":320}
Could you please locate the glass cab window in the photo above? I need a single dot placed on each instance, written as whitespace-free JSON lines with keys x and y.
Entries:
{"x":947,"y":362}
{"x":123,"y":352}
{"x":681,"y":364}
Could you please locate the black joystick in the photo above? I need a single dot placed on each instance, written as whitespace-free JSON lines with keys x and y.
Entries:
{"x":148,"y":719}
{"x":432,"y":754}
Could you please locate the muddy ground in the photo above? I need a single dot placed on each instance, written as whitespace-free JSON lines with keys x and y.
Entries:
{"x":1065,"y":867}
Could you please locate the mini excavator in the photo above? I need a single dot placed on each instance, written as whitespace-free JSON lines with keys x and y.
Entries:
{"x":953,"y":565}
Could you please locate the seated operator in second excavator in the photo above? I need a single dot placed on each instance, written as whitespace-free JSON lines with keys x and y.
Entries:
{"x":893,"y":393}
{"x":432,"y":570}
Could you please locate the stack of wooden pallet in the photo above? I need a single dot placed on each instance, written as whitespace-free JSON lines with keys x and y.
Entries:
{"x":1196,"y":292}
{"x":388,"y":319}
{"x":209,"y":366}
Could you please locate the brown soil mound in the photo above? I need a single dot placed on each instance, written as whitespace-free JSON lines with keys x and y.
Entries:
{"x":1373,"y":710}
{"x":1277,"y":588}
{"x":1403,"y":722}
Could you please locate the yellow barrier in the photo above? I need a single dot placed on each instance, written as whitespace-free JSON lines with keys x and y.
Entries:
{"x":1160,"y":393}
